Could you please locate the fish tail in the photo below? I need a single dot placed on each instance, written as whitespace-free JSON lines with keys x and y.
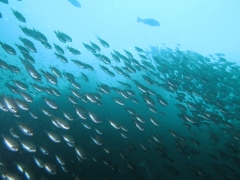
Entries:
{"x":139,"y":19}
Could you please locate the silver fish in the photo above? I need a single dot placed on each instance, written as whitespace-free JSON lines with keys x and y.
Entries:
{"x":81,"y":112}
{"x":69,"y":139}
{"x":54,"y":136}
{"x":50,"y":168}
{"x":25,"y":129}
{"x":10,"y":143}
{"x":62,"y":123}
{"x":44,"y":150}
{"x":68,"y":116}
{"x":50,"y":103}
{"x":20,"y":85}
{"x":10,"y":104}
{"x":3,"y":106}
{"x":60,"y":159}
{"x":38,"y":162}
{"x":94,"y":117}
{"x":21,"y":104}
{"x":27,"y":97}
{"x":28,"y":146}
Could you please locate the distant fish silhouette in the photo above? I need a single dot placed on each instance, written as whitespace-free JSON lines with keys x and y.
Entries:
{"x":75,"y":3}
{"x":4,"y":1}
{"x":0,"y":15}
{"x":149,"y":21}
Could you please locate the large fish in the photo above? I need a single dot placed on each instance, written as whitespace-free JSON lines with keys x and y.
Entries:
{"x":75,"y":3}
{"x":149,"y":21}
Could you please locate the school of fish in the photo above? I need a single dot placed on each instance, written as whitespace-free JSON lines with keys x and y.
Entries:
{"x":157,"y":113}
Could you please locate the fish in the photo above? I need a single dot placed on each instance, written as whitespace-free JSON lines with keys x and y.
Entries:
{"x":18,"y":15}
{"x":0,"y":15}
{"x":149,"y":21}
{"x":26,"y":96}
{"x":54,"y":136}
{"x":60,"y":159}
{"x":28,"y":44}
{"x":28,"y":146}
{"x":58,"y":49}
{"x":10,"y":104}
{"x":49,"y":77}
{"x":50,"y":168}
{"x":4,"y":1}
{"x":9,"y":49}
{"x":38,"y":162}
{"x":69,"y":139}
{"x":73,"y":50}
{"x":50,"y":102}
{"x":25,"y":129}
{"x":103,"y":42}
{"x":21,"y":104}
{"x":110,"y":102}
{"x":10,"y":143}
{"x":75,"y":3}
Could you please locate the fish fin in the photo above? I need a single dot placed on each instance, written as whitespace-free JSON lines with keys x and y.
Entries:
{"x":139,"y":19}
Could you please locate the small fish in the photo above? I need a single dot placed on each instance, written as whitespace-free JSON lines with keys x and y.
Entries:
{"x":58,"y":49}
{"x":114,"y":124}
{"x":9,"y":49}
{"x":73,"y":50}
{"x":28,"y":146}
{"x":60,"y":159}
{"x":81,"y":112}
{"x":54,"y":137}
{"x":39,"y":162}
{"x":28,"y":44}
{"x":14,"y":69}
{"x":69,"y":139}
{"x":62,"y":123}
{"x":18,"y":15}
{"x":149,"y":21}
{"x":61,"y":57}
{"x":3,"y":64}
{"x":0,"y":15}
{"x":11,"y":143}
{"x":97,"y":140}
{"x":50,"y":103}
{"x":103,"y":42}
{"x":49,"y":77}
{"x":51,"y":169}
{"x":20,"y":84}
{"x":94,"y":117}
{"x":25,"y":129}
{"x":10,"y":104}
{"x":27,"y":97}
{"x":21,"y":104}
{"x":44,"y":150}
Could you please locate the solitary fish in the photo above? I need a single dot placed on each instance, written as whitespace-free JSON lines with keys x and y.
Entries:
{"x":149,"y":21}
{"x":75,"y":3}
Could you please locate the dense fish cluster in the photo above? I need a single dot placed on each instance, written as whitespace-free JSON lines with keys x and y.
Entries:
{"x":160,"y":113}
